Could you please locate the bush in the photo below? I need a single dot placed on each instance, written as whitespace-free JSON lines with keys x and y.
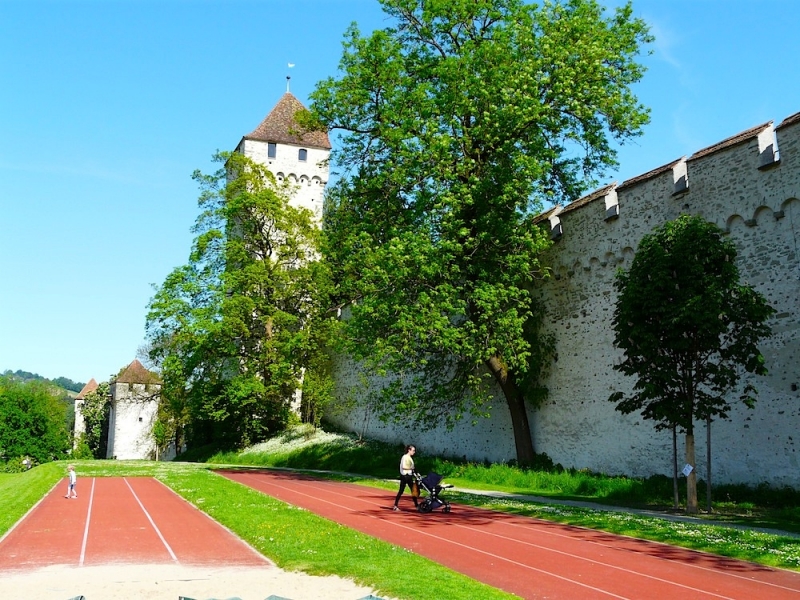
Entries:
{"x":82,"y":450}
{"x":14,"y":465}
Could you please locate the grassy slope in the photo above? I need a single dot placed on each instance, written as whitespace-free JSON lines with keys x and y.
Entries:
{"x":21,"y":491}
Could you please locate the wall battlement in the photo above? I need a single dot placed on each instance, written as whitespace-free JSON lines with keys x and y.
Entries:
{"x":682,"y":185}
{"x":747,"y":184}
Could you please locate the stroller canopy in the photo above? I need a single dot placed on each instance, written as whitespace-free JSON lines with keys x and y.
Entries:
{"x":431,"y":480}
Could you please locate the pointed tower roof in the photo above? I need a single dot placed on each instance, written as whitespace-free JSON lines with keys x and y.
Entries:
{"x":136,"y":373}
{"x":280,"y":127}
{"x":89,"y":387}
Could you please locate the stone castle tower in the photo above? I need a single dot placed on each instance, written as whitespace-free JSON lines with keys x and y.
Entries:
{"x":301,"y":158}
{"x":133,"y":405}
{"x":80,"y":424}
{"x":291,"y":155}
{"x":135,"y":394}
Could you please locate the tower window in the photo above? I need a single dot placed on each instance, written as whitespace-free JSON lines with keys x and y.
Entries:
{"x":302,"y":155}
{"x":272,"y":150}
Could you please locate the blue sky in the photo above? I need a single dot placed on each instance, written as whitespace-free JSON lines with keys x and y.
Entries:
{"x":108,"y":106}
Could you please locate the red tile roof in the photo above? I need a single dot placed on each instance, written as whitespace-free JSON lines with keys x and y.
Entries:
{"x":89,"y":387}
{"x":790,"y":120}
{"x":136,"y":373}
{"x":731,"y":141}
{"x":583,"y":201}
{"x":280,"y":127}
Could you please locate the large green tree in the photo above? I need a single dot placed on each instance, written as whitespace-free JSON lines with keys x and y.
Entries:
{"x":32,"y":421}
{"x":689,"y":328}
{"x":457,"y":122}
{"x":232,"y":329}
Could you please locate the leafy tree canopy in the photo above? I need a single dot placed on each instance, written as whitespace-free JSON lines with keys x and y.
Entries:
{"x":687,"y":324}
{"x":231,"y":330}
{"x":95,"y":414}
{"x":62,"y":382}
{"x":457,"y":123}
{"x":689,"y":329}
{"x":32,"y":421}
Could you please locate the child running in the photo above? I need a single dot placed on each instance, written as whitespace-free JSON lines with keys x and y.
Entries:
{"x":73,"y":479}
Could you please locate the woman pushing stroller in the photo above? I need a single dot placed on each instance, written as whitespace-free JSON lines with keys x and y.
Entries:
{"x":407,"y":476}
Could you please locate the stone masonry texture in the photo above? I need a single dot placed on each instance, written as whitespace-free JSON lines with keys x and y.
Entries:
{"x":748,"y":185}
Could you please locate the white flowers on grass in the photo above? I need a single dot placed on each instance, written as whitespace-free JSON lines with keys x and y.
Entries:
{"x":299,"y":437}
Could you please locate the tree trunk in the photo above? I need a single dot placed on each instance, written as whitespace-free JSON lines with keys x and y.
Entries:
{"x":708,"y":465}
{"x":178,"y":439}
{"x":675,"y":498}
{"x":516,"y":406}
{"x":691,"y":478}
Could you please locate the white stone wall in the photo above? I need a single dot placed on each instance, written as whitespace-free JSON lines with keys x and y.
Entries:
{"x":491,"y":440}
{"x":133,"y":413}
{"x":309,"y":177}
{"x":577,"y":426}
{"x":80,"y":422}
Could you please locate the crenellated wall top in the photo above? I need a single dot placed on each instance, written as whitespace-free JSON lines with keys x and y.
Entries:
{"x":754,"y":172}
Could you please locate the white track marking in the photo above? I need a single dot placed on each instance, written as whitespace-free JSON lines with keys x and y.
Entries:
{"x":217,"y":523}
{"x":669,"y":560}
{"x":86,"y":528}
{"x":440,"y":539}
{"x":29,"y":511}
{"x":611,"y":547}
{"x":149,"y":518}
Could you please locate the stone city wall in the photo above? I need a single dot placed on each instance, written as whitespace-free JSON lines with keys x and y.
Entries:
{"x":749,"y":185}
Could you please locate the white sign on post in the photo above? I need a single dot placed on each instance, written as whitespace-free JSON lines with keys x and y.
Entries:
{"x":687,"y":469}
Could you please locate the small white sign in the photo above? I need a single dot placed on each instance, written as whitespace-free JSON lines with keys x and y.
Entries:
{"x":687,"y":469}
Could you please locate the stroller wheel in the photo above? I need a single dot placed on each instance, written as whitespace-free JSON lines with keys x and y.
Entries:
{"x":446,"y":508}
{"x":425,"y":506}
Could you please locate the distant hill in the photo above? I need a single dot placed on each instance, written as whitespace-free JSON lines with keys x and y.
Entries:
{"x":62,"y":382}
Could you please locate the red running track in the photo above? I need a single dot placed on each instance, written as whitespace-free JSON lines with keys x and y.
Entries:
{"x":529,"y":557}
{"x":130,"y":520}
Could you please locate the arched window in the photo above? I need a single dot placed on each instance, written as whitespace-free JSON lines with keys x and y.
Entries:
{"x":302,"y":156}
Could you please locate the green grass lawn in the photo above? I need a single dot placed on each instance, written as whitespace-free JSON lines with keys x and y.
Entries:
{"x":298,"y":540}
{"x":760,"y":507}
{"x":295,"y":539}
{"x":303,"y":448}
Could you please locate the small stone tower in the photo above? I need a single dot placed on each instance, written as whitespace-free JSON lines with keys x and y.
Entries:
{"x":300,"y":158}
{"x":135,"y":394}
{"x":80,"y":423}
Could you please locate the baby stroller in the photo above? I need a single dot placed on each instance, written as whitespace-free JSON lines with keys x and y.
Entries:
{"x":433,"y":486}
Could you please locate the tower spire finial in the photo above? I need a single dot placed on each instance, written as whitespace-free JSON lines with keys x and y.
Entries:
{"x":288,"y":77}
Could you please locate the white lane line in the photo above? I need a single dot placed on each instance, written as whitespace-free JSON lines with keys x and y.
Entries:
{"x":86,"y":528}
{"x":719,"y":571}
{"x":149,"y":518}
{"x":29,"y":511}
{"x":215,"y":522}
{"x":440,"y":540}
{"x":532,"y":526}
